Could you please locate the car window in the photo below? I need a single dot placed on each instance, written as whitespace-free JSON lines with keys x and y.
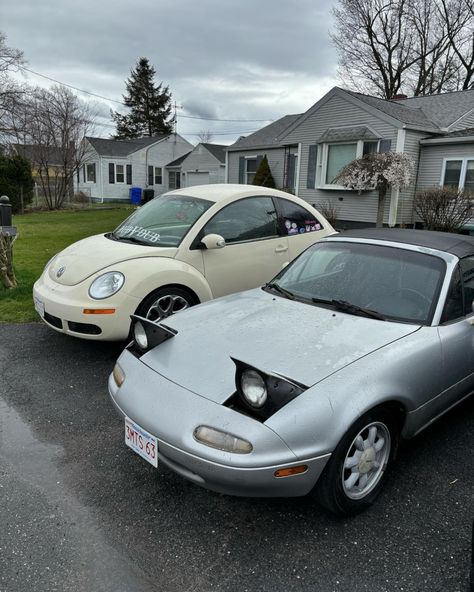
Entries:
{"x":295,"y":219}
{"x":252,"y":218}
{"x":400,"y":284}
{"x":454,"y":308}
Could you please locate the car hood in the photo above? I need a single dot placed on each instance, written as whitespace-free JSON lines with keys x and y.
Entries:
{"x":299,"y":341}
{"x":90,"y":255}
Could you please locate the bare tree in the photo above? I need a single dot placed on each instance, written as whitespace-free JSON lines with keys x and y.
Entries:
{"x":205,"y":136}
{"x":416,"y":46}
{"x":54,"y":123}
{"x":11,"y":60}
{"x":459,"y":18}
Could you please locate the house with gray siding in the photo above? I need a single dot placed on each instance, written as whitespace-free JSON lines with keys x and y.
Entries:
{"x":307,"y":151}
{"x":204,"y":165}
{"x":113,"y":167}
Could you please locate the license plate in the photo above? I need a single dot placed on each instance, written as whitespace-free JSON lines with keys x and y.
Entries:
{"x":39,"y":306}
{"x":141,"y":442}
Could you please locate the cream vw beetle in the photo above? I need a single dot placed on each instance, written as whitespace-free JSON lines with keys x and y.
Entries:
{"x":180,"y":249}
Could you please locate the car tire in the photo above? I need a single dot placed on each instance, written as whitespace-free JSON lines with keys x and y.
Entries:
{"x":358,"y":467}
{"x":164,"y":302}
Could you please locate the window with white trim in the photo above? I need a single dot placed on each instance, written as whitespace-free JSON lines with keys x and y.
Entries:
{"x":250,"y":170}
{"x":120,"y":173}
{"x":158,"y":176}
{"x":90,"y":173}
{"x":459,"y":173}
{"x":334,"y":157}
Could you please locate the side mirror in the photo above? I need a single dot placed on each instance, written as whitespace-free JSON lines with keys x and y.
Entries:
{"x":213,"y":241}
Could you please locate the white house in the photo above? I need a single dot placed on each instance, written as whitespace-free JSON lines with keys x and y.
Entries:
{"x":113,"y":167}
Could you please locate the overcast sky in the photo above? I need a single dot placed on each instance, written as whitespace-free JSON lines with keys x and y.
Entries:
{"x":226,"y":59}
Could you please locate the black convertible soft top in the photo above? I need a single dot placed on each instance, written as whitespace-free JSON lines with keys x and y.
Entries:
{"x":457,"y":244}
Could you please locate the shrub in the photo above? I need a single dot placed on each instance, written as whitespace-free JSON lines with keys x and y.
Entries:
{"x":445,"y":209}
{"x":329,"y":210}
{"x":263,"y":175}
{"x":16,"y":181}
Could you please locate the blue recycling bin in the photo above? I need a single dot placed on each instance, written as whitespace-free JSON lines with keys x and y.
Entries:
{"x":135,"y":195}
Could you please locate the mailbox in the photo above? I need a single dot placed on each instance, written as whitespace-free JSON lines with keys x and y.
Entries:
{"x":5,"y":211}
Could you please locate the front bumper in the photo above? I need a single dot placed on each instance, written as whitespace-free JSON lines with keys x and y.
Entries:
{"x":64,"y":306}
{"x":171,"y":413}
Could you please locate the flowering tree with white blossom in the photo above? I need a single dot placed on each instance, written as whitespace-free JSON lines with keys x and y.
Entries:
{"x":377,"y":171}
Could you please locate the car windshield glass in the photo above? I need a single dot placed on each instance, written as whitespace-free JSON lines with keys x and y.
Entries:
{"x":357,"y":278}
{"x":162,"y":222}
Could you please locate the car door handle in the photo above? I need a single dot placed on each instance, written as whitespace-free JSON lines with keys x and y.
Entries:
{"x":281,"y":248}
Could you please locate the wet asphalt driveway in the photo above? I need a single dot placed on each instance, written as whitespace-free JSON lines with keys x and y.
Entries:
{"x":80,"y":512}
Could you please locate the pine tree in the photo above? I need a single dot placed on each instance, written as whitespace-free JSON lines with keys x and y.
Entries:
{"x":150,"y":105}
{"x":263,"y":175}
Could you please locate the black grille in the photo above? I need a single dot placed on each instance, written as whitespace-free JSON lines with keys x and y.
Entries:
{"x":85,"y":328}
{"x":53,"y":320}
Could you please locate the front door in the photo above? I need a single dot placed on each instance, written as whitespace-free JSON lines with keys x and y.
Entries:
{"x":254,"y":252}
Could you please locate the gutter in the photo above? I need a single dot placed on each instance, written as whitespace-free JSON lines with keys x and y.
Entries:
{"x":451,"y":140}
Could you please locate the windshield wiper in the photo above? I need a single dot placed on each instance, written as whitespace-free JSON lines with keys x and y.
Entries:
{"x":350,"y":308}
{"x":130,"y":239}
{"x":280,"y":290}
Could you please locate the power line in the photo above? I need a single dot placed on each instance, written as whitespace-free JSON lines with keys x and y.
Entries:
{"x":196,"y":133}
{"x":121,"y":103}
{"x":70,"y":86}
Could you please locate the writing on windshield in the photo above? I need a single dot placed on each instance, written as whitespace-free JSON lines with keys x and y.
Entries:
{"x":139,"y":232}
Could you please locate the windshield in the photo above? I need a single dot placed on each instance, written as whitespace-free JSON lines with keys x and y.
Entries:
{"x":396,"y":283}
{"x":162,"y":222}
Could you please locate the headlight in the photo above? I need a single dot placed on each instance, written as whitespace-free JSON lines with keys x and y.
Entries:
{"x":140,"y":336}
{"x":222,"y":440}
{"x":106,"y":285}
{"x":261,"y":394}
{"x":253,"y":388}
{"x":147,"y":334}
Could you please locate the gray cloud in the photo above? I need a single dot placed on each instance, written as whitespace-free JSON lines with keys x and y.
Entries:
{"x":228,"y":59}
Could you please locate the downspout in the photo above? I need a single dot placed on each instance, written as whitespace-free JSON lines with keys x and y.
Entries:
{"x":297,"y":172}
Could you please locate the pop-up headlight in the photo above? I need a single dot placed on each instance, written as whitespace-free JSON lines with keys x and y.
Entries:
{"x":147,"y":334}
{"x":262,"y":394}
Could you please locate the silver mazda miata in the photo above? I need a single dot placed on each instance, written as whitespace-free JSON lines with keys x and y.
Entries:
{"x":309,"y":382}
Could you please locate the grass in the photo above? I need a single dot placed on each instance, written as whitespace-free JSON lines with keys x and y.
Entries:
{"x":40,"y":236}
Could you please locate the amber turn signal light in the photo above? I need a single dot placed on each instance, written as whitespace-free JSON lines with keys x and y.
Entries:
{"x":290,"y":471}
{"x":99,"y":311}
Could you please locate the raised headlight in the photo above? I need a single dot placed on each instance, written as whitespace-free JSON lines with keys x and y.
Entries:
{"x":253,"y":388}
{"x":106,"y":285}
{"x":140,"y":336}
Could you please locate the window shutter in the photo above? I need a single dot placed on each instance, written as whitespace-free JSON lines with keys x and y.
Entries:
{"x":385,"y":145}
{"x":150,"y":175}
{"x":312,"y":159}
{"x":84,"y":173}
{"x":111,"y":172}
{"x":290,"y":167}
{"x":129,"y":174}
{"x":241,"y":169}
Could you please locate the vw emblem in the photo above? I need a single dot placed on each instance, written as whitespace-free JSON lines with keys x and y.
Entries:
{"x":60,"y":272}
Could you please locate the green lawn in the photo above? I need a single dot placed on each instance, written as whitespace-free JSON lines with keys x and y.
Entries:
{"x":40,"y":236}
